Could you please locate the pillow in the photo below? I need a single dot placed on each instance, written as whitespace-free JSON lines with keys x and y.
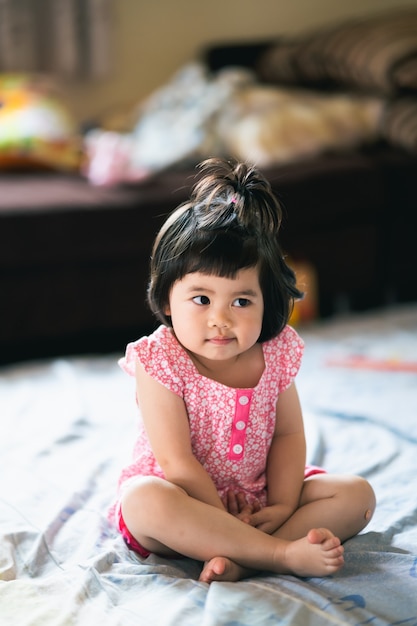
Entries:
{"x":175,"y":126}
{"x":36,"y":130}
{"x":268,"y":125}
{"x":376,"y":53}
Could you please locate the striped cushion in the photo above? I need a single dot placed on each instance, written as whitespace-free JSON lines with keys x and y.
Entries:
{"x":377,"y":53}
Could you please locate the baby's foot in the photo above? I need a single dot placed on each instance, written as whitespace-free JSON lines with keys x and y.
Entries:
{"x":318,"y":554}
{"x":221,"y":568}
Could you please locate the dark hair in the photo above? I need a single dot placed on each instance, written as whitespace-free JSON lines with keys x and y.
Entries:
{"x":231,"y":222}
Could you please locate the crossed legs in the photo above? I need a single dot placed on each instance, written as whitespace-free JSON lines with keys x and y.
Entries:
{"x":165,"y":520}
{"x":342,"y":504}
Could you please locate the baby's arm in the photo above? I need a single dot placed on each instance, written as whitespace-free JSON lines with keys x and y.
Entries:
{"x":286,"y":464}
{"x":166,"y":424}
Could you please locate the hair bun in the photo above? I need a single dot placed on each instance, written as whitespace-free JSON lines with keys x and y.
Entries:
{"x":231,"y":189}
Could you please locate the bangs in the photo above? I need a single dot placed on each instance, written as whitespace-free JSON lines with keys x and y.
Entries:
{"x":222,"y":254}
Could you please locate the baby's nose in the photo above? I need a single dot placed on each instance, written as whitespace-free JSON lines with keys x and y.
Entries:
{"x":220,"y":318}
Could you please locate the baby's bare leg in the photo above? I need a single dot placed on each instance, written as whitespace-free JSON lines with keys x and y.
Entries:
{"x":343,"y":504}
{"x":163,"y":518}
{"x":319,"y":542}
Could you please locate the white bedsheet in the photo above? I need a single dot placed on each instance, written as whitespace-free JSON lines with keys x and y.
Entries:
{"x":67,"y":425}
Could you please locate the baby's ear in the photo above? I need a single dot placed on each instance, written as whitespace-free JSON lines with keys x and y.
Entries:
{"x":167,"y":310}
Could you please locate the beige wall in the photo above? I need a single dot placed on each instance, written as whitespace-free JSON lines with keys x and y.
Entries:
{"x":153,"y":38}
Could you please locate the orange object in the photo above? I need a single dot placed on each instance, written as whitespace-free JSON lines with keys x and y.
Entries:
{"x":305,"y":310}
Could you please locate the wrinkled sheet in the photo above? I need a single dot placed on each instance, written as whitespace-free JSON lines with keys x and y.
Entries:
{"x":67,"y":425}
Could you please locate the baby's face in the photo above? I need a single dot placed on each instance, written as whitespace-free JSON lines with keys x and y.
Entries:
{"x":214,"y":317}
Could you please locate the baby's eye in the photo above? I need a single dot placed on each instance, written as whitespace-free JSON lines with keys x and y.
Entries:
{"x":241,"y":302}
{"x":201,"y":300}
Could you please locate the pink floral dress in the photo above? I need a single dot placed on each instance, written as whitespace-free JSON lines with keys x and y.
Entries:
{"x":231,"y":429}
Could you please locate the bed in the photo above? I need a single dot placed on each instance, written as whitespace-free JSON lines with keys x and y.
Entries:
{"x":67,"y":425}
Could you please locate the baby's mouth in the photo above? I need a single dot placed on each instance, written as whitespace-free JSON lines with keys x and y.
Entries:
{"x":221,"y":340}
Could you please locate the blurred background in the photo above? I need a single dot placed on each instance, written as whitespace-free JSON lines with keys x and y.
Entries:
{"x":112,"y":53}
{"x":106,"y":107}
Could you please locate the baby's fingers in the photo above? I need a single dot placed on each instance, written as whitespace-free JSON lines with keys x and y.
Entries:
{"x":232,"y":503}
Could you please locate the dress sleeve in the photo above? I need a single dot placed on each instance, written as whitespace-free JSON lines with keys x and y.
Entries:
{"x":158,"y":355}
{"x":290,"y":348}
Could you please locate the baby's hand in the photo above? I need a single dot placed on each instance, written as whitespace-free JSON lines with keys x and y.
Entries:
{"x":270,"y":518}
{"x":238,"y":506}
